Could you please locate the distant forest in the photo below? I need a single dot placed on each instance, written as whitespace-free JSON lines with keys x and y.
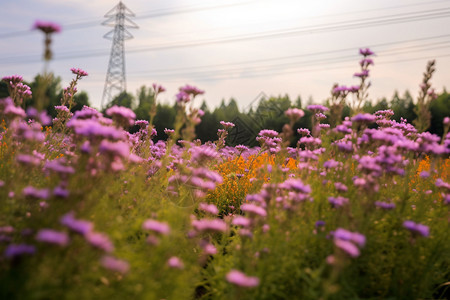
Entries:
{"x":267,"y":114}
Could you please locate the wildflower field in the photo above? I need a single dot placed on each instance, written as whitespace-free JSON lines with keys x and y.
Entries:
{"x":347,"y":209}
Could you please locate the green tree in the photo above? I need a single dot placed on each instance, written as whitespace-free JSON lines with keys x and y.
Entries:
{"x":146,"y":98}
{"x":207,"y":129}
{"x":51,"y":94}
{"x":402,"y":106}
{"x":3,"y":89}
{"x":368,"y":107}
{"x":298,"y":102}
{"x":165,"y":118}
{"x":440,"y":108}
{"x":123,"y":99}
{"x":381,"y":105}
{"x":270,"y":113}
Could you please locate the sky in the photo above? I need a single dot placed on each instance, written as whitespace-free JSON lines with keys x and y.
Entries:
{"x":236,"y":49}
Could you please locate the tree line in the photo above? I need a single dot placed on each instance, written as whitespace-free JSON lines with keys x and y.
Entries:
{"x":267,"y":114}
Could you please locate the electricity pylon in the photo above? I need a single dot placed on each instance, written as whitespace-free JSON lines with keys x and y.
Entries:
{"x":118,"y":17}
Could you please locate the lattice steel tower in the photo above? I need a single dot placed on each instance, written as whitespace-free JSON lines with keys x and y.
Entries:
{"x":118,"y":17}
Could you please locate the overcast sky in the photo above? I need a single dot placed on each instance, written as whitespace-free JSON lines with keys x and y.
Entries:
{"x":236,"y":48}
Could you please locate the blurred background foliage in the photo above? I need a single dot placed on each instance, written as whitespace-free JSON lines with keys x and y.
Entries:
{"x":267,"y":114}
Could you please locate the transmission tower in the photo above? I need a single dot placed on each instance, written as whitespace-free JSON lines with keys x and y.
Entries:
{"x":118,"y":17}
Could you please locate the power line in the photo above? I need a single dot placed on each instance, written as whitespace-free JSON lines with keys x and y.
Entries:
{"x":189,"y":9}
{"x":327,"y":27}
{"x":262,"y":70}
{"x":192,"y":69}
{"x":145,"y":15}
{"x":298,"y":70}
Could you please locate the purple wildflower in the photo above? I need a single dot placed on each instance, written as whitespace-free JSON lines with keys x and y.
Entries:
{"x":175,"y":262}
{"x":384,"y":113}
{"x":47,"y":27}
{"x":240,"y":279}
{"x":442,"y":184}
{"x":158,"y":88}
{"x":348,"y":241}
{"x":14,"y":112}
{"x":303,"y":131}
{"x":13,"y":79}
{"x":343,"y":129}
{"x":364,"y":118}
{"x":346,"y":235}
{"x":79,"y":72}
{"x":156,"y":226}
{"x":385,"y":205}
{"x":32,"y":192}
{"x":424,"y":174}
{"x":320,"y":116}
{"x":366,"y":62}
{"x":169,"y":132}
{"x":227,"y":125}
{"x":209,"y":225}
{"x":6,"y":229}
{"x":209,"y":249}
{"x":366,"y":52}
{"x":363,"y":73}
{"x":417,"y":228}
{"x":93,"y":129}
{"x":141,"y":123}
{"x":87,"y":113}
{"x":331,"y":164}
{"x":119,"y":149}
{"x":254,"y":209}
{"x":114,"y":264}
{"x":241,"y":148}
{"x":209,"y":208}
{"x":53,"y":237}
{"x":319,"y":223}
{"x":370,"y":164}
{"x":340,"y":89}
{"x":268,"y":133}
{"x":338,"y":201}
{"x":446,"y":121}
{"x":57,"y":167}
{"x":41,"y":117}
{"x":446,"y":198}
{"x":14,"y":250}
{"x":317,"y":108}
{"x":99,"y":240}
{"x":353,"y":88}
{"x":122,"y":114}
{"x":183,"y":97}
{"x":62,"y":108}
{"x":241,"y":221}
{"x":202,"y":153}
{"x":191,"y":90}
{"x":344,"y":146}
{"x":310,"y":140}
{"x":347,"y":247}
{"x":79,"y":226}
{"x":294,"y":114}
{"x":28,"y":159}
{"x":340,"y":187}
{"x":295,"y":185}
